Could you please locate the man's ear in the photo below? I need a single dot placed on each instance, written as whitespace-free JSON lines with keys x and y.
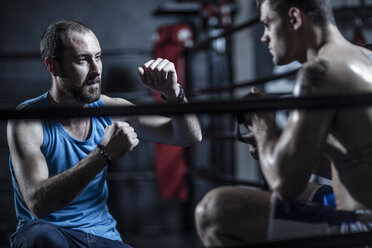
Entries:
{"x":295,"y":18}
{"x":51,"y":65}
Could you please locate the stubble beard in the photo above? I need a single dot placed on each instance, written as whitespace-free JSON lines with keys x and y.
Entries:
{"x":280,"y":59}
{"x":79,"y":93}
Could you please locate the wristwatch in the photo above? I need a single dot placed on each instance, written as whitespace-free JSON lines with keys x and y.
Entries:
{"x":179,"y":99}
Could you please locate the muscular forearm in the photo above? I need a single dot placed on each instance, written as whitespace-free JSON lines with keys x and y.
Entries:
{"x":280,"y":166}
{"x":186,"y":129}
{"x":266,"y":142}
{"x":60,"y":190}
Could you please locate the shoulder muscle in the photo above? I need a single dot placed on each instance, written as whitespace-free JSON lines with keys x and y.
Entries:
{"x":24,"y":134}
{"x":114,"y":101}
{"x":311,"y":77}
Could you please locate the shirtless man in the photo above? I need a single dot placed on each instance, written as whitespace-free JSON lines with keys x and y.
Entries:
{"x":58,"y":167}
{"x":303,"y":31}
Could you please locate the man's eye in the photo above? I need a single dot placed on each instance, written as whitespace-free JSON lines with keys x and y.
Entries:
{"x":81,"y":60}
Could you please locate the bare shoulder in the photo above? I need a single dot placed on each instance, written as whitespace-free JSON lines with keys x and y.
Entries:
{"x":25,"y":131}
{"x":367,"y":49}
{"x":312,"y":77}
{"x":114,"y":101}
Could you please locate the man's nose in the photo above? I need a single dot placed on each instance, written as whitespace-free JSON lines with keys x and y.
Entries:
{"x":265,"y":37}
{"x":95,"y":68}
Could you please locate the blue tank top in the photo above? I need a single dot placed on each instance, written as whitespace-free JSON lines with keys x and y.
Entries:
{"x":88,"y":212}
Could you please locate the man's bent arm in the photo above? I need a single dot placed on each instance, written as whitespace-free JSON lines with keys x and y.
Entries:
{"x":44,"y":195}
{"x":288,"y":160}
{"x":160,"y":75}
{"x":180,"y":130}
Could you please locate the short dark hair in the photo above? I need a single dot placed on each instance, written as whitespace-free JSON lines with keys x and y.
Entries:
{"x":53,"y":41}
{"x":319,"y":11}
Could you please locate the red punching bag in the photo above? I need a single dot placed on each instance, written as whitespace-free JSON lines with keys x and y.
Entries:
{"x":170,"y":162}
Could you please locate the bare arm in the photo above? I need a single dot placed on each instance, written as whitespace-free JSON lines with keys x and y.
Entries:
{"x":43,"y":194}
{"x":288,"y":160}
{"x":181,"y":130}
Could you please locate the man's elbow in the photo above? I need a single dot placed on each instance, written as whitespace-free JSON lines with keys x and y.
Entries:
{"x":287,"y":190}
{"x":37,"y":207}
{"x":38,"y":210}
{"x":192,"y":140}
{"x":198,"y":138}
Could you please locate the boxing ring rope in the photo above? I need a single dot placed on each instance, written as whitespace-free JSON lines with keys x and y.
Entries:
{"x":363,"y":10}
{"x":254,"y":82}
{"x":229,"y":31}
{"x":200,"y":45}
{"x":205,"y":107}
{"x":204,"y":43}
{"x":107,"y":53}
{"x":224,"y":180}
{"x":213,"y":107}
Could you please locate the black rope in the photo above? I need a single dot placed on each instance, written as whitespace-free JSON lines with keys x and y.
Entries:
{"x":199,"y":45}
{"x":339,"y":11}
{"x":222,"y":179}
{"x":107,"y":53}
{"x":234,"y":86}
{"x":205,"y":107}
{"x":205,"y":43}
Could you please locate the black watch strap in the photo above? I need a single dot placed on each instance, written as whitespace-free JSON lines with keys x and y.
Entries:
{"x":180,"y":98}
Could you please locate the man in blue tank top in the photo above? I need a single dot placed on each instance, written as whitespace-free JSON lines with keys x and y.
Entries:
{"x":58,"y":167}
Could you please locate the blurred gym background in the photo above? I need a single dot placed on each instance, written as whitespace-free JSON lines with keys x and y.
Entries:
{"x":151,"y":197}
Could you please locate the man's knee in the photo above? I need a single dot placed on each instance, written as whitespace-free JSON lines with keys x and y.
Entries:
{"x":216,"y":203}
{"x":39,"y":234}
{"x":206,"y":215}
{"x":211,"y":211}
{"x":228,"y":215}
{"x":210,"y":205}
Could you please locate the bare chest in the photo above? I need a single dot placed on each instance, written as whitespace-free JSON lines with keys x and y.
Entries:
{"x":79,"y":130}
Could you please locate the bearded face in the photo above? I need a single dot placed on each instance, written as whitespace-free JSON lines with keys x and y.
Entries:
{"x":89,"y":91}
{"x":81,"y":69}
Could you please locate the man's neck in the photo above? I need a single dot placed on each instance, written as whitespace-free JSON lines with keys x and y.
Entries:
{"x":79,"y":128}
{"x":322,"y":37}
{"x":58,"y":99}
